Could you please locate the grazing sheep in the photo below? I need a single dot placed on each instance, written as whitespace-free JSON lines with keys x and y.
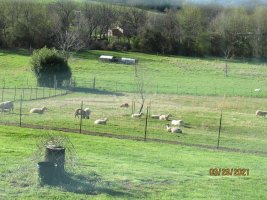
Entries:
{"x":137,"y":115}
{"x":164,"y":117}
{"x":173,"y":129}
{"x":84,"y":113}
{"x":38,"y":110}
{"x":125,"y":105}
{"x":155,"y":116}
{"x":87,"y":113}
{"x":178,"y":122}
{"x":257,"y":90}
{"x":261,"y":113}
{"x":101,"y":121}
{"x":7,"y":105}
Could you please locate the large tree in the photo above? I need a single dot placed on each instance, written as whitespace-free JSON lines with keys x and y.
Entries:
{"x":193,"y":33}
{"x":230,"y":32}
{"x":50,"y":68}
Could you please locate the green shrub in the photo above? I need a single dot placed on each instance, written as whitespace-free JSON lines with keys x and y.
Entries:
{"x":48,"y":65}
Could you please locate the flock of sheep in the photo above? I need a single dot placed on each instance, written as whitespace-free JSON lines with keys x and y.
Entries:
{"x":174,"y":127}
{"x":176,"y":124}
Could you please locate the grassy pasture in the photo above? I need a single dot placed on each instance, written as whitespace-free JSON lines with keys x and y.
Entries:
{"x":122,"y":169}
{"x":241,"y":129}
{"x":118,"y":169}
{"x":162,"y":74}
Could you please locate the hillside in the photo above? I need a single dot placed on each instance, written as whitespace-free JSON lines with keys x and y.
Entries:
{"x":162,"y":74}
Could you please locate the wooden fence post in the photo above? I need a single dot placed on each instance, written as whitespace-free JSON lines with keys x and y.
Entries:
{"x":219,"y":134}
{"x":3,"y":92}
{"x":146,"y":122}
{"x":81,"y":119}
{"x":94,"y":83}
{"x":20,"y":110}
{"x":31,"y":94}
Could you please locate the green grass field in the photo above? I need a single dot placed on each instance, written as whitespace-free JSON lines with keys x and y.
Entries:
{"x":241,"y":129}
{"x":121,"y":169}
{"x":162,"y":74}
{"x":124,"y":169}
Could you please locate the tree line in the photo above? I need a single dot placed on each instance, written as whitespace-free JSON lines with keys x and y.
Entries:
{"x":187,"y":30}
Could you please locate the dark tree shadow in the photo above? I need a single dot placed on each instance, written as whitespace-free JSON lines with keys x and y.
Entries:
{"x":96,"y":91}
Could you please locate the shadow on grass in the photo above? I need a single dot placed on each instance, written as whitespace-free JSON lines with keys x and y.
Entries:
{"x":96,"y":91}
{"x":91,"y":185}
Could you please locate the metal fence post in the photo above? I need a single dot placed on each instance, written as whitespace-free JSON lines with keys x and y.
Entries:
{"x":20,"y":110}
{"x":146,"y":122}
{"x":81,"y":119}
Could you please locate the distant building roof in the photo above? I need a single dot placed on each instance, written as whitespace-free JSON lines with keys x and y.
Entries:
{"x":106,"y":57}
{"x":128,"y":60}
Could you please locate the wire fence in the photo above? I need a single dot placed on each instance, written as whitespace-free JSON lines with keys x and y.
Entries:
{"x":172,"y":88}
{"x":60,"y":116}
{"x":31,"y":93}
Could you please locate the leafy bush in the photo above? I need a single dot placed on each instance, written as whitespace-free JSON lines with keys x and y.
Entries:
{"x":48,"y":65}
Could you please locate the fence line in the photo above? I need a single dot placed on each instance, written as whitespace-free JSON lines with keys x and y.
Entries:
{"x":175,"y":88}
{"x":96,"y":83}
{"x":27,"y":94}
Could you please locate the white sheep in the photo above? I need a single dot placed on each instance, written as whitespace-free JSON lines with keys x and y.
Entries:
{"x":137,"y":115}
{"x":101,"y":121}
{"x":84,"y":113}
{"x":173,"y":129}
{"x":155,"y":116}
{"x":257,"y":90}
{"x":261,"y":113}
{"x":164,"y":117}
{"x":78,"y":112}
{"x":7,"y":105}
{"x":178,"y":122}
{"x":87,"y":113}
{"x":38,"y":110}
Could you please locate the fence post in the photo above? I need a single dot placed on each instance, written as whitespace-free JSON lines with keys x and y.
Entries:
{"x":81,"y":119}
{"x":20,"y":109}
{"x":3,"y":92}
{"x":146,"y":122}
{"x":15,"y":93}
{"x":23,"y":94}
{"x":94,"y":83}
{"x":43,"y":92}
{"x":132,"y":107}
{"x":219,"y":134}
{"x":49,"y":91}
{"x":149,"y":111}
{"x":31,"y":94}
